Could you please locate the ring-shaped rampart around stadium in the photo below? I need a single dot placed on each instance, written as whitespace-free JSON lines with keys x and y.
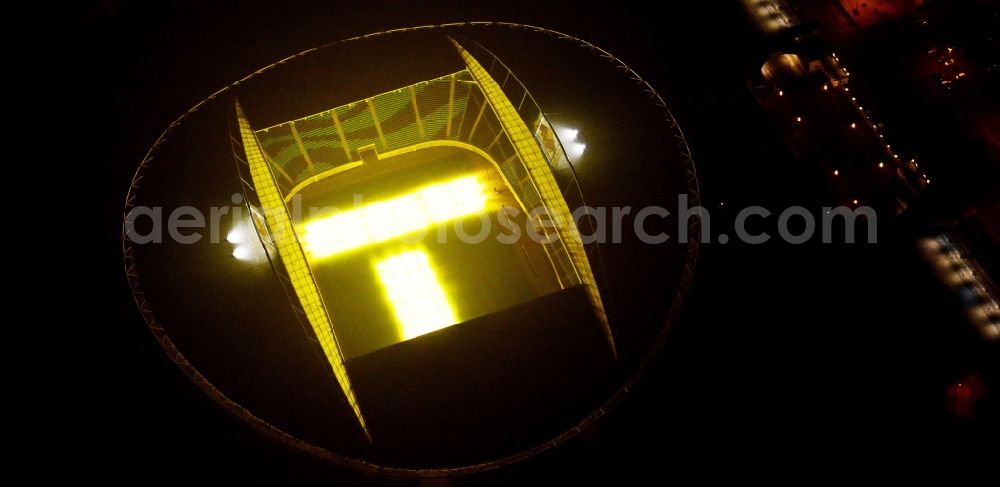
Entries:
{"x":408,"y":136}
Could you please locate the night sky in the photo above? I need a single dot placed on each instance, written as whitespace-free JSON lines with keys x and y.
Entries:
{"x":825,"y":357}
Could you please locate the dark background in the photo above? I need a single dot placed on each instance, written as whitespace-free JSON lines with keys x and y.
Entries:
{"x":822,"y":357}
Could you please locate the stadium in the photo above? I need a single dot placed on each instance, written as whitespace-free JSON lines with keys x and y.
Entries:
{"x":347,"y":317}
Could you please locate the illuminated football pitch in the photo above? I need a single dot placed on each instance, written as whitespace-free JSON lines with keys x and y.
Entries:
{"x":388,"y":253}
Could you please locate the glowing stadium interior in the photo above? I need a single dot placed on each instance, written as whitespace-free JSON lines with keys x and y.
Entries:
{"x":400,"y":165}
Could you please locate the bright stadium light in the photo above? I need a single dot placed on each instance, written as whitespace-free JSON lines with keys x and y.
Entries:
{"x":416,"y":296}
{"x":567,"y":134}
{"x":247,"y":246}
{"x":568,"y":137}
{"x":237,"y":234}
{"x":574,"y":150}
{"x":242,"y":252}
{"x":385,"y":220}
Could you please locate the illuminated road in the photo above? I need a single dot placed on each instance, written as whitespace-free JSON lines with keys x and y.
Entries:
{"x":827,"y":127}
